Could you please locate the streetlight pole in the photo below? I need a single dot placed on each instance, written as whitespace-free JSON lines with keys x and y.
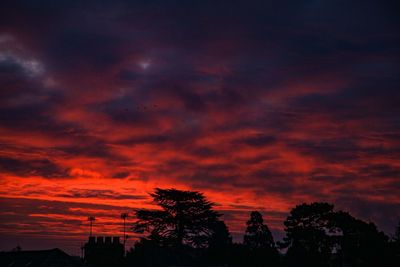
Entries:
{"x":91,"y":219}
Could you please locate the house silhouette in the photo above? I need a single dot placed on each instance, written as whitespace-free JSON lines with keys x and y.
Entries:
{"x":39,"y":258}
{"x":103,"y":251}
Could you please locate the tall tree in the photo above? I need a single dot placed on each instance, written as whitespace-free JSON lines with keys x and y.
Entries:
{"x":358,"y":242}
{"x":395,"y":245}
{"x":220,"y":244}
{"x":307,"y":238}
{"x":259,"y":243}
{"x":220,"y":235}
{"x":185,"y":218}
{"x":257,"y":233}
{"x":396,"y":236}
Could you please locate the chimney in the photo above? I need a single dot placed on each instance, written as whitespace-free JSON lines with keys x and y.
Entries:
{"x":116,"y":240}
{"x":100,"y":240}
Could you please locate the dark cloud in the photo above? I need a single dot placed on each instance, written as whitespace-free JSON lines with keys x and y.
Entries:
{"x":121,"y":175}
{"x":89,"y":146}
{"x":102,"y":194}
{"x":257,"y":140}
{"x":380,"y":170}
{"x":33,"y":167}
{"x":334,"y":150}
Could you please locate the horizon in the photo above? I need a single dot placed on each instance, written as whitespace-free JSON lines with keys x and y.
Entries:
{"x":72,"y":245}
{"x":260,"y":106}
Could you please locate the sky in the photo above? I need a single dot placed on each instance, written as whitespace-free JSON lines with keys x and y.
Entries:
{"x":261,"y":105}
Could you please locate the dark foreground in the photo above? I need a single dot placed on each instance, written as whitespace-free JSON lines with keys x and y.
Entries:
{"x":236,"y":256}
{"x":186,"y":231}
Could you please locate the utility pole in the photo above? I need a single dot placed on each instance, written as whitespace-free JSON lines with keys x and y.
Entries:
{"x":124,"y":216}
{"x":91,"y":219}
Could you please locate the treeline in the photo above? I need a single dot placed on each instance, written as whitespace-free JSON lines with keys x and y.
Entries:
{"x":186,"y":231}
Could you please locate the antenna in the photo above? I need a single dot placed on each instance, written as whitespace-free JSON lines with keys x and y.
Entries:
{"x":91,"y":219}
{"x":82,"y":249}
{"x":124,"y":216}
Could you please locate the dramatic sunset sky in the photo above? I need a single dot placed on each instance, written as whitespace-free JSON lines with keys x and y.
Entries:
{"x":258,"y":104}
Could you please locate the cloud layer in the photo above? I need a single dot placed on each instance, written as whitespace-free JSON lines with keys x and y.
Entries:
{"x":259,"y":105}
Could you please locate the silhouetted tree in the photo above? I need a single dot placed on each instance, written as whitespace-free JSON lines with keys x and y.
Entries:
{"x":395,"y":245}
{"x":220,"y":244}
{"x":307,"y":240}
{"x":185,"y":218}
{"x":220,"y":236}
{"x":359,"y":243}
{"x":16,"y":249}
{"x":185,"y":231}
{"x":259,"y":242}
{"x":257,"y":233}
{"x":396,"y":236}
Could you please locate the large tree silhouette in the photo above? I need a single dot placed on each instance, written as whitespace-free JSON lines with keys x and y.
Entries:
{"x":185,"y":218}
{"x":307,"y":235}
{"x":219,"y":246}
{"x":358,"y":242}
